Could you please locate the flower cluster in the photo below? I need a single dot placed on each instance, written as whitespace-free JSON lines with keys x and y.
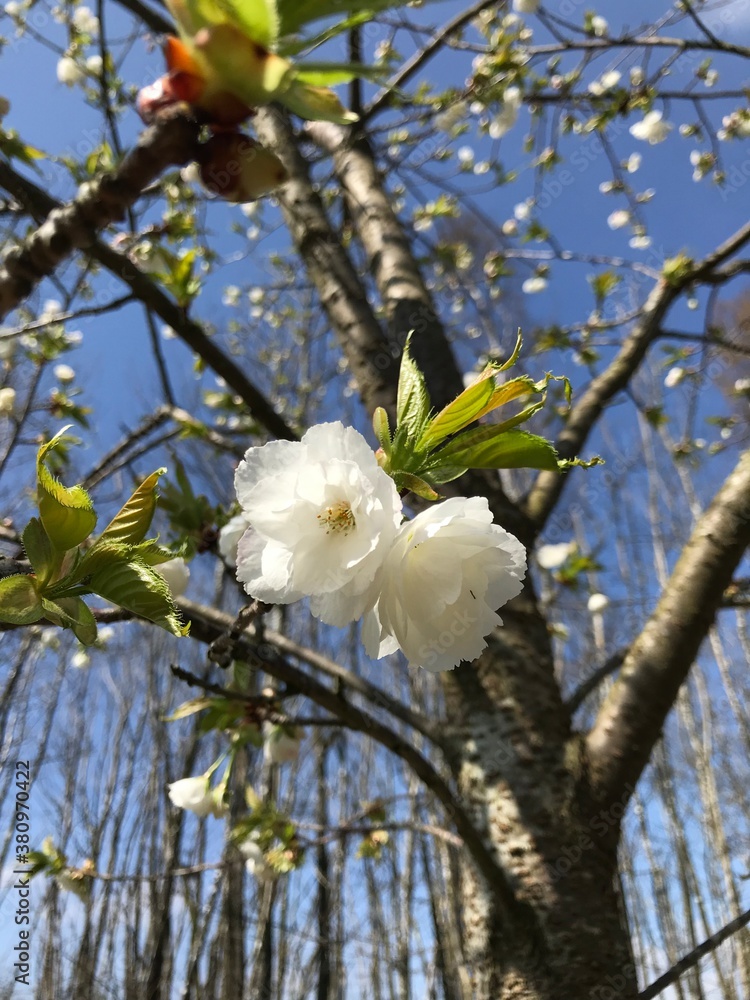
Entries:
{"x":326,"y":523}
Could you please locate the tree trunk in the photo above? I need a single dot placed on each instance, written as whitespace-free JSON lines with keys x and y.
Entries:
{"x":523,"y":778}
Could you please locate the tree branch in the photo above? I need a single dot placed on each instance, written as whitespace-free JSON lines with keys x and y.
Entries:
{"x":98,"y":204}
{"x":632,"y":717}
{"x":341,"y":290}
{"x":548,"y":487}
{"x":208,"y":625}
{"x":692,"y":959}
{"x":38,"y":203}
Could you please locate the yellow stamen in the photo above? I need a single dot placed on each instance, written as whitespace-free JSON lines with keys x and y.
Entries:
{"x":338,"y":517}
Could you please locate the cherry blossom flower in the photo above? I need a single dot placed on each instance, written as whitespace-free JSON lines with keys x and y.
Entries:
{"x":280,"y":744}
{"x":323,"y":517}
{"x":651,"y":128}
{"x":195,"y":795}
{"x":255,"y":861}
{"x":7,"y":401}
{"x":553,"y":556}
{"x":177,"y":573}
{"x":597,"y":603}
{"x":229,"y":537}
{"x":448,"y":571}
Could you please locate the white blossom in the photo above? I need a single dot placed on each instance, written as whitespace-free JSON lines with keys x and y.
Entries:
{"x":95,"y":65}
{"x":633,"y":162}
{"x":229,"y":537}
{"x":599,"y":25}
{"x":553,"y":556}
{"x":742,"y":385}
{"x":526,"y":6}
{"x":637,"y":76}
{"x":618,"y":219}
{"x":69,"y":72}
{"x":64,"y":373}
{"x":451,"y":116}
{"x":505,"y":120}
{"x":7,"y":401}
{"x":533,"y":285}
{"x":255,"y":861}
{"x":280,"y":744}
{"x":640,"y":242}
{"x":176,"y":573}
{"x":651,"y":128}
{"x":597,"y":603}
{"x":323,"y":516}
{"x":80,"y":660}
{"x":674,"y":377}
{"x":195,"y":795}
{"x":448,"y":571}
{"x":606,"y":82}
{"x":86,"y":21}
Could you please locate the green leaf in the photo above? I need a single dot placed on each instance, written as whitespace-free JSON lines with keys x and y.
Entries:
{"x":406,"y":481}
{"x":382,"y":429}
{"x":295,"y":14}
{"x":316,"y":104}
{"x":39,"y":550}
{"x":292,"y":45}
{"x":20,"y":603}
{"x":464,"y":410}
{"x":138,"y":588}
{"x":524,"y":385}
{"x":257,"y":18}
{"x":134,"y":519}
{"x":515,"y":355}
{"x":189,"y":708}
{"x":412,"y":400}
{"x":72,"y":613}
{"x":497,"y":448}
{"x":67,"y":514}
{"x":327,"y":74}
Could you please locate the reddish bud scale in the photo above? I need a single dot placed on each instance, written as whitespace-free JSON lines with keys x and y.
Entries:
{"x":239,"y":169}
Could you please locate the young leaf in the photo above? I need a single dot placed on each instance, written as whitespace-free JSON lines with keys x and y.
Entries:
{"x":72,"y":613}
{"x":188,"y":708}
{"x":295,"y":14}
{"x":139,"y":589}
{"x":39,"y":550}
{"x":20,"y":603}
{"x":524,"y":385}
{"x":464,"y":410}
{"x":67,"y":514}
{"x":412,"y":400}
{"x":133,"y":521}
{"x":496,"y":448}
{"x":406,"y":481}
{"x":259,"y":19}
{"x":382,"y":429}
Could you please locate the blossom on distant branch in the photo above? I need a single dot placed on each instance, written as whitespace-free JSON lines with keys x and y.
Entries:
{"x":195,"y":795}
{"x":651,"y":128}
{"x":177,"y":573}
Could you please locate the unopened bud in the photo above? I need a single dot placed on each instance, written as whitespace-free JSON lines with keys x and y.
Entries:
{"x":239,"y":169}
